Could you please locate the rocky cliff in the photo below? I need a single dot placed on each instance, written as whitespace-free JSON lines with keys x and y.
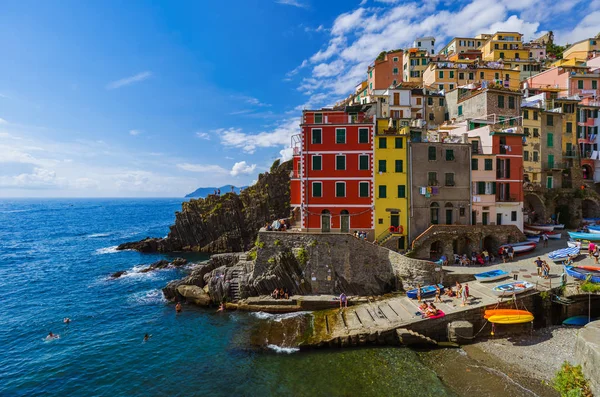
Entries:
{"x":228,"y":223}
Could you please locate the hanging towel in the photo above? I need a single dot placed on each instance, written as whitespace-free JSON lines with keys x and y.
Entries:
{"x":434,"y":190}
{"x":428,"y":189}
{"x":428,"y":195}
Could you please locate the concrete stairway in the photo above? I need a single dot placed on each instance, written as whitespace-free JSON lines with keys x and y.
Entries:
{"x":412,"y":338}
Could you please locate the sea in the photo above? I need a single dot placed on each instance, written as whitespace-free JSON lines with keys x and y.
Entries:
{"x":56,"y":256}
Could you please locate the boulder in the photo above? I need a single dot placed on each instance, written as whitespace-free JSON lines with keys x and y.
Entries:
{"x":194,"y":294}
{"x":118,"y":274}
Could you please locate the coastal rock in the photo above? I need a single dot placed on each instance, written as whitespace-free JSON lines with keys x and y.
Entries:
{"x":227,"y":223}
{"x":118,"y":274}
{"x":194,"y":294}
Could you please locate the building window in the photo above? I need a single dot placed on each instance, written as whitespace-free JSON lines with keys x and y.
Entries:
{"x":502,"y":54}
{"x":449,"y":178}
{"x":340,"y":189}
{"x":431,"y":116}
{"x":382,"y":191}
{"x":549,"y":119}
{"x":535,"y":115}
{"x":441,"y":74}
{"x":449,"y":155}
{"x":340,"y":135}
{"x":452,"y":74}
{"x":550,"y":142}
{"x":430,"y":101}
{"x":461,"y":76}
{"x":536,"y":132}
{"x":569,"y":127}
{"x":317,"y":189}
{"x":451,"y":86}
{"x":526,"y":114}
{"x":399,"y":166}
{"x":363,"y":162}
{"x":380,"y":221}
{"x":418,"y":102}
{"x":395,"y":71}
{"x":474,"y":147}
{"x":488,"y":164}
{"x":401,"y":191}
{"x":363,"y":189}
{"x":317,"y":163}
{"x":432,"y":179}
{"x":382,"y":166}
{"x":363,"y":135}
{"x":471,"y":76}
{"x":526,"y":155}
{"x":441,"y":102}
{"x":481,"y":75}
{"x":536,"y":157}
{"x":580,"y":84}
{"x":371,"y":74}
{"x":501,"y":101}
{"x":526,"y":131}
{"x":382,"y":143}
{"x":434,"y":213}
{"x":318,"y":118}
{"x":460,"y":112}
{"x":395,"y":59}
{"x":594,"y":84}
{"x":340,"y":163}
{"x":317,"y":136}
{"x":424,"y":61}
{"x":511,"y":102}
{"x":513,"y":216}
{"x":432,"y":153}
{"x":399,"y":143}
{"x":474,"y":164}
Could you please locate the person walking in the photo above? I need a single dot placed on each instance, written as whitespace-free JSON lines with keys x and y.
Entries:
{"x":591,"y":249}
{"x":545,"y":239}
{"x":343,"y":300}
{"x":511,"y":253}
{"x":538,"y":263}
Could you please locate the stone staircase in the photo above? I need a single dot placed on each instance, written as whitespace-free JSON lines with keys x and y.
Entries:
{"x":234,"y":285}
{"x":412,"y":338}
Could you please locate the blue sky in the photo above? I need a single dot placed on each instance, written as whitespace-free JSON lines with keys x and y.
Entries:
{"x":158,"y":98}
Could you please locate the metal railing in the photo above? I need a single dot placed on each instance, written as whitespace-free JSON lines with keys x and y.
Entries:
{"x":506,"y":199}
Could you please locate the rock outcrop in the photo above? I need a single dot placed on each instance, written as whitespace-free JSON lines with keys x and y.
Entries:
{"x":161,"y":264}
{"x":228,"y":223}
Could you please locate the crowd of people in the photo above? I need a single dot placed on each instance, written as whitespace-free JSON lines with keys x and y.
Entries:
{"x":428,"y":309}
{"x":360,"y":235}
{"x":476,"y":259}
{"x":280,"y":225}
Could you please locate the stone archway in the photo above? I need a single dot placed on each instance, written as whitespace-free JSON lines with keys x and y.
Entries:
{"x":590,"y":209}
{"x":491,"y":244}
{"x":436,"y":249}
{"x":534,"y":208}
{"x":462,"y":245}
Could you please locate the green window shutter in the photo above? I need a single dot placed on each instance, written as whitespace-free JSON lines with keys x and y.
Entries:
{"x":526,"y":155}
{"x":550,"y":142}
{"x":318,"y":118}
{"x":452,"y":74}
{"x":401,"y":191}
{"x":382,"y":191}
{"x":580,"y":84}
{"x":363,"y":135}
{"x":382,"y":143}
{"x":480,"y":187}
{"x":340,"y":189}
{"x":316,"y":136}
{"x":449,"y":155}
{"x":317,"y":189}
{"x":432,"y":153}
{"x":536,"y":157}
{"x":363,"y":162}
{"x":399,"y":166}
{"x":474,"y":164}
{"x":382,"y":166}
{"x":399,"y":143}
{"x":551,"y":161}
{"x":489,"y":164}
{"x":340,"y":135}
{"x":363,"y":189}
{"x":340,"y":162}
{"x":511,"y":102}
{"x":569,"y":127}
{"x":460,"y":112}
{"x":441,"y":74}
{"x":316,"y":163}
{"x":493,"y":187}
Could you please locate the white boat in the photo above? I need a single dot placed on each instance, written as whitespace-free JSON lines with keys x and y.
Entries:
{"x":515,"y":287}
{"x":594,"y":229}
{"x":545,"y":228}
{"x":581,"y":245}
{"x":519,"y":248}
{"x":531,"y":232}
{"x":554,"y":236}
{"x":533,"y":239}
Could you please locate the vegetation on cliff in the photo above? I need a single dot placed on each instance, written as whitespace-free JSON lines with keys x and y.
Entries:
{"x":227,"y":223}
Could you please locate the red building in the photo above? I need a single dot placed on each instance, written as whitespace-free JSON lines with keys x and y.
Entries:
{"x":332,"y":181}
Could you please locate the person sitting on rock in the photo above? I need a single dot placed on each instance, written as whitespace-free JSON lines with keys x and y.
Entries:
{"x":275,"y":294}
{"x":281,"y":293}
{"x":178,"y":307}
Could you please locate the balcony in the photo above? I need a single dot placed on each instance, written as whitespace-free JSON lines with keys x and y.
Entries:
{"x":554,"y":166}
{"x":512,"y":198}
{"x":570,"y":153}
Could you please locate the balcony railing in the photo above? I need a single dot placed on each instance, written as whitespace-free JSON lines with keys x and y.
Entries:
{"x":570,"y":153}
{"x":553,"y":166}
{"x":506,"y":198}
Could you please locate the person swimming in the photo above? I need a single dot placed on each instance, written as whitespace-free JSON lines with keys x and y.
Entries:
{"x":147,"y":337}
{"x":52,"y":336}
{"x":178,"y":307}
{"x":221,"y":307}
{"x":66,"y":320}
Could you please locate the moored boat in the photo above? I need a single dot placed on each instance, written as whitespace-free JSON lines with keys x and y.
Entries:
{"x":577,"y":320}
{"x":584,"y":245}
{"x":533,"y":239}
{"x":559,"y":226}
{"x":585,"y":236}
{"x":511,"y":319}
{"x":563,"y":254}
{"x":594,"y":229}
{"x":583,"y":274}
{"x":515,"y":287}
{"x":591,"y":220}
{"x":425,"y":291}
{"x":554,"y":236}
{"x":531,"y":232}
{"x":590,"y":268}
{"x":504,"y":312}
{"x":545,"y":228}
{"x":520,"y":248}
{"x":491,"y":275}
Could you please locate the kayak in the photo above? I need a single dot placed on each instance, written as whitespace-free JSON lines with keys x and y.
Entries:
{"x":563,"y":254}
{"x":554,"y":236}
{"x":515,"y":287}
{"x":590,"y":268}
{"x":577,"y":320}
{"x":505,"y":312}
{"x":531,"y":232}
{"x":425,"y":290}
{"x":491,"y":275}
{"x":511,"y":319}
{"x":545,"y":228}
{"x":584,"y":236}
{"x":520,"y":248}
{"x":583,"y":274}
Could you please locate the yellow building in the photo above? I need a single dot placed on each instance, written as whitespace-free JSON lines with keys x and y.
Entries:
{"x":459,"y":45}
{"x":414,"y":64}
{"x":582,"y":50}
{"x":449,"y":75}
{"x":391,"y":185}
{"x":532,"y":164}
{"x":568,"y":108}
{"x":504,"y":45}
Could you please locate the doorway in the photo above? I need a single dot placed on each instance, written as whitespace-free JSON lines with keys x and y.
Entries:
{"x":325,"y":221}
{"x":345,"y":221}
{"x":498,"y":219}
{"x":485,"y":218}
{"x":449,"y":212}
{"x":395,"y":220}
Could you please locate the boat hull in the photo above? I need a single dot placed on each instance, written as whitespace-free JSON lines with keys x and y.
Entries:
{"x":531,"y":232}
{"x":584,"y":236}
{"x":511,"y":319}
{"x":563,"y":254}
{"x":505,"y":312}
{"x":491,"y":275}
{"x":583,"y":274}
{"x":425,"y":291}
{"x":577,"y":320}
{"x":520,"y":248}
{"x":545,"y":228}
{"x":554,"y":236}
{"x":514,"y":288}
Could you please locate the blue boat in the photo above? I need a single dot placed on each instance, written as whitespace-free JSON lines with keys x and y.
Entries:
{"x":491,"y":275}
{"x":425,"y":291}
{"x":584,"y":236}
{"x":583,"y":274}
{"x":563,"y":254}
{"x":577,"y":320}
{"x":534,"y":239}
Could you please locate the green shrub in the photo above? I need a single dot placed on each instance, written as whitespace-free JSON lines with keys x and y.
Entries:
{"x":570,"y":382}
{"x":271,"y":260}
{"x":275,"y":165}
{"x":544,"y":295}
{"x":302,"y":256}
{"x":259,"y":244}
{"x":251,"y":255}
{"x":590,"y":287}
{"x":277,"y":242}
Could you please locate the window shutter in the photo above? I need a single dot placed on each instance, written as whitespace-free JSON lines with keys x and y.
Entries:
{"x":480,"y":187}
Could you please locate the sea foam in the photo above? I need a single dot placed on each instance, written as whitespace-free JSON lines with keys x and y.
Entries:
{"x":107,"y":250}
{"x":286,"y":350}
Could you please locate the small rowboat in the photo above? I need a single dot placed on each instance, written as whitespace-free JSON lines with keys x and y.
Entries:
{"x":504,"y":312}
{"x":590,"y":268}
{"x":533,"y":239}
{"x":583,"y":274}
{"x":594,"y":229}
{"x":577,"y":320}
{"x":554,"y":236}
{"x":425,"y":291}
{"x":491,"y":275}
{"x":515,"y":287}
{"x":511,"y":319}
{"x":591,"y":220}
{"x":563,"y":254}
{"x":584,"y":236}
{"x":520,"y":248}
{"x":582,"y":245}
{"x":544,"y":228}
{"x":531,"y":232}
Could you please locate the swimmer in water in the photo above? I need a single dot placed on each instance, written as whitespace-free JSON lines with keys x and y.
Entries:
{"x":52,"y":336}
{"x":221,"y":307}
{"x":147,"y":337}
{"x":178,"y":307}
{"x":66,"y":320}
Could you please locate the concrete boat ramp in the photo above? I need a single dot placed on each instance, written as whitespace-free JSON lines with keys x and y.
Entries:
{"x":395,"y":320}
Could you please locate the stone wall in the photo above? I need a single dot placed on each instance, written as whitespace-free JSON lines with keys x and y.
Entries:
{"x":587,"y":354}
{"x":331,"y":264}
{"x":463,"y":239}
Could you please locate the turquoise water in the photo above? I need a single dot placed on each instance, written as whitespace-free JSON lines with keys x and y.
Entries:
{"x":55,"y":258}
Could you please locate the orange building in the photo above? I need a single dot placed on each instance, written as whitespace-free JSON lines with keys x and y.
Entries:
{"x":385,"y":71}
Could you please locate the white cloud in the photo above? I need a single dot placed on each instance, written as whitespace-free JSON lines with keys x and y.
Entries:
{"x":243,"y":111}
{"x":242,"y":168}
{"x":251,"y":101}
{"x":286,"y":154}
{"x":328,"y":69}
{"x":2,"y":121}
{"x":347,"y":21}
{"x":297,"y":69}
{"x":318,"y":29}
{"x":39,"y":178}
{"x":203,"y":135}
{"x":294,"y":3}
{"x":135,"y":132}
{"x":588,"y":27}
{"x":129,"y":80}
{"x":249,"y":142}
{"x":207,"y":168}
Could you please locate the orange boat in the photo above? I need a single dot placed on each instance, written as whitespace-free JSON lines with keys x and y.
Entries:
{"x":590,"y":268}
{"x":505,"y":312}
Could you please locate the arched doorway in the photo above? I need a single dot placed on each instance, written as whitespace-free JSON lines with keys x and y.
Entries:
{"x":345,"y":221}
{"x":434,"y":213}
{"x":490,"y":243}
{"x":436,"y":249}
{"x":587,"y":172}
{"x":449,"y":213}
{"x":534,"y":208}
{"x":590,"y":209}
{"x":325,"y":221}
